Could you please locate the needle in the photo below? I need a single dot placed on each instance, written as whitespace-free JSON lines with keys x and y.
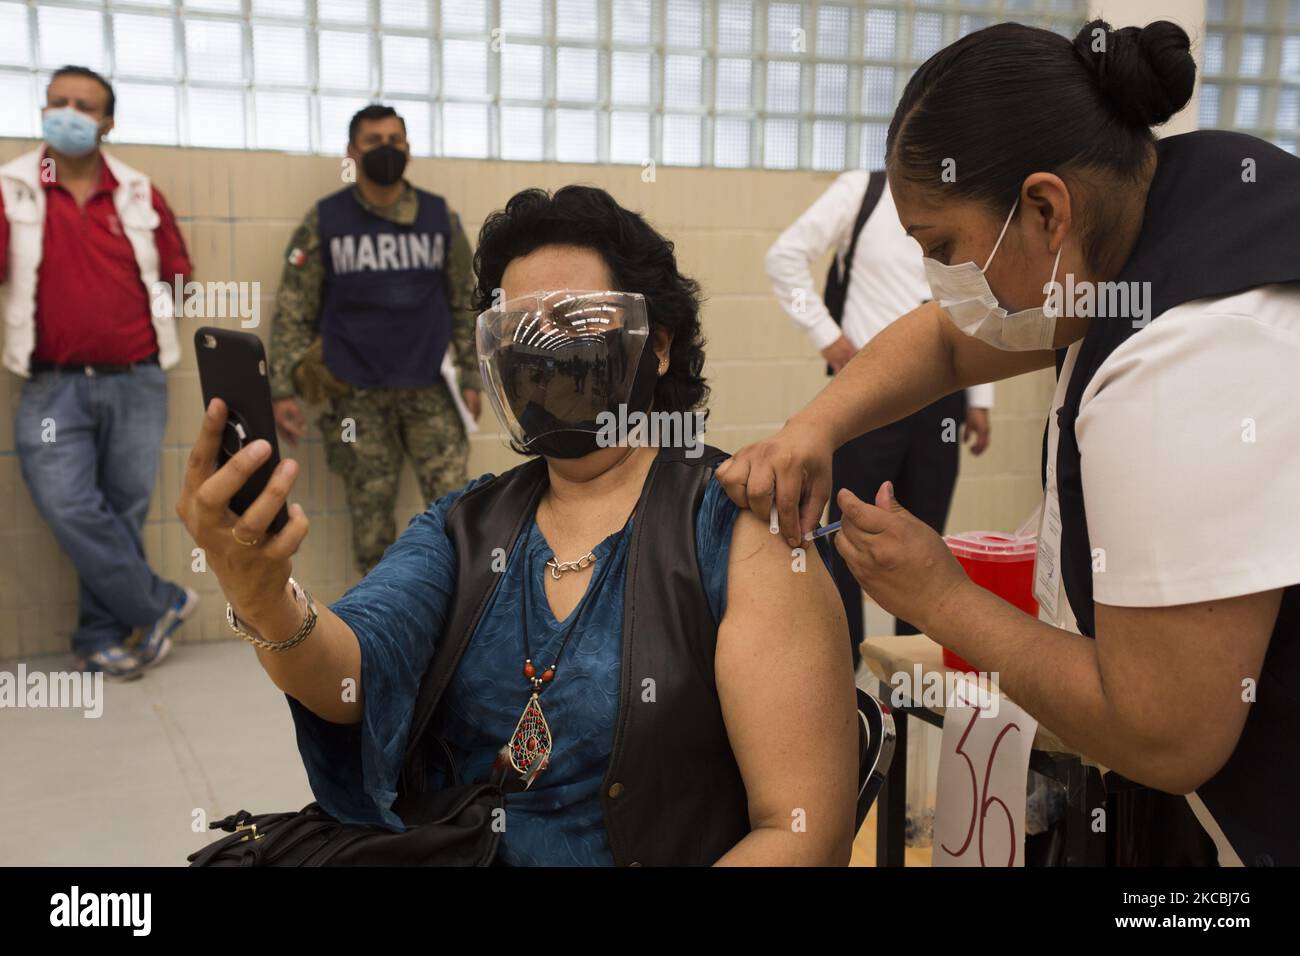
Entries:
{"x":822,"y":532}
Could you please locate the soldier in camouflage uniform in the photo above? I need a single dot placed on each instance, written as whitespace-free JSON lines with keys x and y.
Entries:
{"x":377,"y":284}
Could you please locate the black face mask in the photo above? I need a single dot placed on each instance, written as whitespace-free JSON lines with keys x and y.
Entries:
{"x":384,"y":165}
{"x":556,"y":438}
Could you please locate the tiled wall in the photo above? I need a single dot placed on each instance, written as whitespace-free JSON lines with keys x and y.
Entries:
{"x":237,"y":210}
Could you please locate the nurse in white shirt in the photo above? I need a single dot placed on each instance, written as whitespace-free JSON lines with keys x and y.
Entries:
{"x":1167,"y":646}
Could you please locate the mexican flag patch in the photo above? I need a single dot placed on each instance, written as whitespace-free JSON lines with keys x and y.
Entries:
{"x":297,"y":257}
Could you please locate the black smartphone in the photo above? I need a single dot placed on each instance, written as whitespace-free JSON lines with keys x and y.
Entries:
{"x":233,"y":368}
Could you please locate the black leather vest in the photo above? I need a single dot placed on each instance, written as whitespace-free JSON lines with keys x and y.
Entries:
{"x":672,"y":794}
{"x":1207,"y":233}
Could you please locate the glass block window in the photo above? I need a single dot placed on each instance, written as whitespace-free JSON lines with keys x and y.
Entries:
{"x":1250,"y":72}
{"x":780,"y":84}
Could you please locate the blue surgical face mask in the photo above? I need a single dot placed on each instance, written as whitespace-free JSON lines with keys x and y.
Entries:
{"x":70,"y":132}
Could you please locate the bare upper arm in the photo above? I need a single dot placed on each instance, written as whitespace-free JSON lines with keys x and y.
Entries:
{"x":785,"y":681}
{"x":1178,"y":677}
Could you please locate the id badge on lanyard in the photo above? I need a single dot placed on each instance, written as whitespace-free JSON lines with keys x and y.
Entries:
{"x":1047,"y":565}
{"x":1047,"y":561}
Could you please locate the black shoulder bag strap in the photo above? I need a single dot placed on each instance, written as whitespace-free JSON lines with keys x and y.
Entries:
{"x":837,"y":279}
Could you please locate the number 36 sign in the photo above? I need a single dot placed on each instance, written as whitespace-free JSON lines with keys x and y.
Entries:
{"x":979,"y":817}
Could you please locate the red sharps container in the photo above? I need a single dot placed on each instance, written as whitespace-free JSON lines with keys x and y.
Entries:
{"x":1001,"y":563}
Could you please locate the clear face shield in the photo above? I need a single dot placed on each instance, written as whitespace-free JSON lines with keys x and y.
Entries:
{"x":555,"y":363}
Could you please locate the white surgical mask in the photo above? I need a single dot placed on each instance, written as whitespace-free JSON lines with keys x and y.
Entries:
{"x":963,"y":292}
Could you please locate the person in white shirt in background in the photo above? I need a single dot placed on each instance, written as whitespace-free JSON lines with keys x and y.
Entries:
{"x":886,"y":279}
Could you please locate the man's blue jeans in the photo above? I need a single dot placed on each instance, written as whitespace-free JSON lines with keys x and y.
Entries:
{"x":89,"y":447}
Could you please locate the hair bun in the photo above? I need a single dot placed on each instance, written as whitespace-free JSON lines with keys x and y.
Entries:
{"x":1145,"y":73}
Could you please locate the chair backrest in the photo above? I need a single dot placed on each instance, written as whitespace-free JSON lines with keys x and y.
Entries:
{"x":876,"y":739}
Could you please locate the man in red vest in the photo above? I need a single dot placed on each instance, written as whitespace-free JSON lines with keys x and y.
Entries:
{"x":84,"y":242}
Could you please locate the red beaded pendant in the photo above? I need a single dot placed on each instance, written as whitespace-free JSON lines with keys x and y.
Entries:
{"x":531,"y":740}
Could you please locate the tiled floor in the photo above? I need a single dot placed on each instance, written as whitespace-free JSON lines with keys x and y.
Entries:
{"x":205,"y":732}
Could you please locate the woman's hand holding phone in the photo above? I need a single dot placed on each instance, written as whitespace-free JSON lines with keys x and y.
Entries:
{"x":252,"y":567}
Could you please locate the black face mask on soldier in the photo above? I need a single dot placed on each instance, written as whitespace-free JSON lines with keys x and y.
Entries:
{"x":384,"y":165}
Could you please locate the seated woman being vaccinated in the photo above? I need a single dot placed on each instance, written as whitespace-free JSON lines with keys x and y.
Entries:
{"x":658,"y":676}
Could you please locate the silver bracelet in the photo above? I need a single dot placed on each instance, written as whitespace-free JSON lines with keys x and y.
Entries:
{"x":308,"y":608}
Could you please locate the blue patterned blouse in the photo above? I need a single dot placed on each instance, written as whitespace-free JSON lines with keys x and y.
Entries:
{"x":398,"y":610}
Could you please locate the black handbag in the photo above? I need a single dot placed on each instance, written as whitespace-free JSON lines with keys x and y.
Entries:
{"x":460,"y":832}
{"x":458,"y":825}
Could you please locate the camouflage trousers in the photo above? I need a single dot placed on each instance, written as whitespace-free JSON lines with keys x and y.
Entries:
{"x":368,"y":435}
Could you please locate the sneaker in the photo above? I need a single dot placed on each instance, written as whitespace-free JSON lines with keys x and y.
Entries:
{"x":157,"y":644}
{"x":116,"y":662}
